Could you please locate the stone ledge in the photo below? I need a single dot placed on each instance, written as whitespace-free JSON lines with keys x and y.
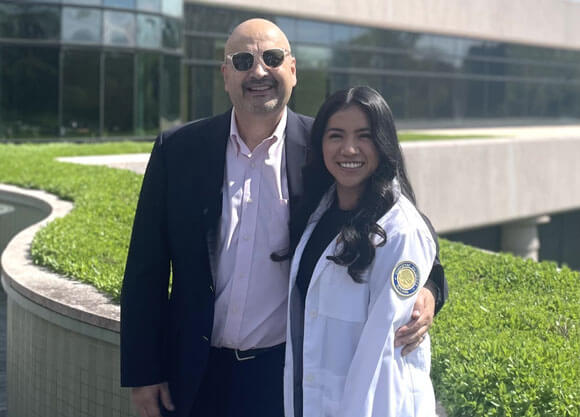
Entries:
{"x":62,"y":295}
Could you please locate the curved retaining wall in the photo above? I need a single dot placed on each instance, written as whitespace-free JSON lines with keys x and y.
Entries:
{"x":62,"y":335}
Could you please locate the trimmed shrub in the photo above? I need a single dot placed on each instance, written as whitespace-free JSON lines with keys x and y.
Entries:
{"x":507,"y":343}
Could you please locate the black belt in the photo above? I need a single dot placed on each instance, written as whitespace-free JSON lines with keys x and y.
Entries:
{"x":244,"y":355}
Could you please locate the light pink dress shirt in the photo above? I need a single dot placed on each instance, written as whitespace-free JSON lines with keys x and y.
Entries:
{"x":251,"y":289}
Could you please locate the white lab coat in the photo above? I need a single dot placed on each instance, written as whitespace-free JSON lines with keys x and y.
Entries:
{"x":350,"y":365}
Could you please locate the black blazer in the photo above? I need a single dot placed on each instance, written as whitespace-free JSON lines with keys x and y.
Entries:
{"x":166,"y":337}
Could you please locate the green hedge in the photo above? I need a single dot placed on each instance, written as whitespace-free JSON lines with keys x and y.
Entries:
{"x":507,"y":343}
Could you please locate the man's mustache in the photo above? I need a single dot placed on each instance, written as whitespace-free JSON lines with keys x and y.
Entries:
{"x":264,"y":82}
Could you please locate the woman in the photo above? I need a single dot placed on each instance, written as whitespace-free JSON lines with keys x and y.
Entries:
{"x":364,"y":254}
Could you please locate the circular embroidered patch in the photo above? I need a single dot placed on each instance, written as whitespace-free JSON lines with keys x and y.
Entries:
{"x":405,"y":278}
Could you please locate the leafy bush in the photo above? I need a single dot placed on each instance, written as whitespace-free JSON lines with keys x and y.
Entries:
{"x":507,"y":342}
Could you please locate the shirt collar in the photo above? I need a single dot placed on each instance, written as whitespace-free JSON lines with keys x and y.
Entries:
{"x":238,"y":141}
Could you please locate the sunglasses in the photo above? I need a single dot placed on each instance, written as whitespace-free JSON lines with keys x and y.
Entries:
{"x":244,"y":61}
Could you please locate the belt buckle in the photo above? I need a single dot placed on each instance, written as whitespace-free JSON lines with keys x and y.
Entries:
{"x":240,"y":359}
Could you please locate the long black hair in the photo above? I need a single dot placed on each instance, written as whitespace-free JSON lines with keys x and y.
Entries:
{"x":357,"y":248}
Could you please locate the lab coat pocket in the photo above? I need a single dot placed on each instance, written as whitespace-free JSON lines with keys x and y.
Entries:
{"x":341,"y":297}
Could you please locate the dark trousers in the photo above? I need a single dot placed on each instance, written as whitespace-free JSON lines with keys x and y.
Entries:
{"x":246,"y":388}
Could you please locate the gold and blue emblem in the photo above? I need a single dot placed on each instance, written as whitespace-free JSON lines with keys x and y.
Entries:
{"x":405,"y":278}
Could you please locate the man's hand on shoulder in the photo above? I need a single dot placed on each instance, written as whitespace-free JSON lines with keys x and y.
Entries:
{"x":413,"y":333}
{"x":146,"y":399}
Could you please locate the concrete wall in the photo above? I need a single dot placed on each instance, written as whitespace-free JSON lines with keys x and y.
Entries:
{"x":464,"y":184}
{"x":62,"y":336}
{"x":552,"y":23}
{"x":559,"y":239}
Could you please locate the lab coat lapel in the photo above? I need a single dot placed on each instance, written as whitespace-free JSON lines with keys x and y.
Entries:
{"x":322,"y":263}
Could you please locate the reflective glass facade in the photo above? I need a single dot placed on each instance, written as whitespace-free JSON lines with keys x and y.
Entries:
{"x":123,"y":68}
{"x":424,"y":77}
{"x":89,"y":68}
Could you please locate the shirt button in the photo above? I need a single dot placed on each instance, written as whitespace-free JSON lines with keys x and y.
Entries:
{"x":253,"y":165}
{"x":313,"y":314}
{"x":246,"y":237}
{"x":309,"y":378}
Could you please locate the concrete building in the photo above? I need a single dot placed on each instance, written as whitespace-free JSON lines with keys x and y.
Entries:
{"x":122,"y":68}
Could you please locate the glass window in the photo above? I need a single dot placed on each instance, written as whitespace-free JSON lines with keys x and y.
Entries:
{"x":474,"y":66}
{"x":9,"y":19}
{"x":119,"y":28}
{"x":87,"y":2}
{"x":201,"y":99}
{"x":470,"y":47}
{"x":29,"y":85}
{"x":149,"y":5}
{"x":459,"y":98}
{"x":288,"y":26}
{"x":36,"y":22}
{"x":548,"y":71}
{"x":206,"y":102}
{"x":342,"y":57}
{"x":516,"y":99}
{"x":496,"y":68}
{"x":373,"y":81}
{"x":360,"y":36}
{"x":311,"y":91}
{"x":340,"y":34}
{"x":170,"y":91}
{"x":148,"y":31}
{"x":80,"y":93}
{"x":496,"y":101}
{"x":338,"y":81}
{"x":126,"y":4}
{"x":441,"y":98}
{"x":475,"y":98}
{"x":147,"y":94}
{"x":570,"y":103}
{"x":445,"y":45}
{"x":418,"y":106}
{"x":313,"y":32}
{"x":209,"y":49}
{"x":172,"y":7}
{"x":205,"y":19}
{"x":312,"y":56}
{"x":171,"y":33}
{"x":81,"y":25}
{"x":395,"y":92}
{"x":423,"y":44}
{"x":118,"y":105}
{"x":491,"y":49}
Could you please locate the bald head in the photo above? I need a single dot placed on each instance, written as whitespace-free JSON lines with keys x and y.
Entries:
{"x":261,"y":89}
{"x":254,"y":31}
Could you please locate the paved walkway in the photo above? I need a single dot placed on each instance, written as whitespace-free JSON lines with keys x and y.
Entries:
{"x":508,"y":132}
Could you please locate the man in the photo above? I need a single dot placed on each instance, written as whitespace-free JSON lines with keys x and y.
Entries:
{"x":215,"y":203}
